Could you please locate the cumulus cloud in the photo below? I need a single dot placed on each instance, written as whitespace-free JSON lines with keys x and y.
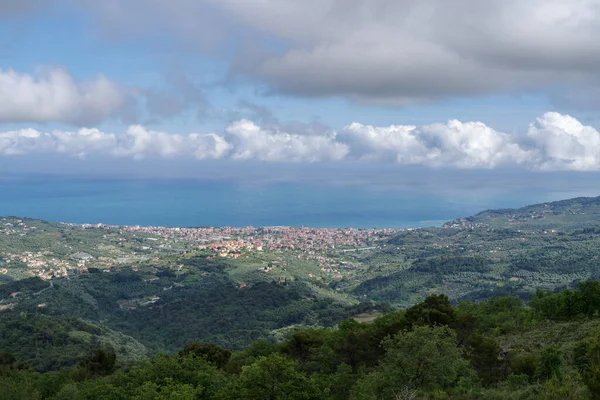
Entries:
{"x":565,"y":143}
{"x":456,"y":144}
{"x":54,"y":95}
{"x":242,"y":140}
{"x":553,"y":142}
{"x":137,"y":143}
{"x":252,"y":142}
{"x":387,"y":51}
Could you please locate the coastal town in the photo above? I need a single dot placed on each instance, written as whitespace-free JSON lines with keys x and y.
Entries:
{"x":74,"y":248}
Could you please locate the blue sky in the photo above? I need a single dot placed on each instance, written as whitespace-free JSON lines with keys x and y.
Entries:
{"x":474,"y":85}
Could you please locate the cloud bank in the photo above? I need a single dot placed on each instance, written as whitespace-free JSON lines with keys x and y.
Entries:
{"x":553,"y":142}
{"x":385,"y":51}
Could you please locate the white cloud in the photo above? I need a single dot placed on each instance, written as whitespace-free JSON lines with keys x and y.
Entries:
{"x":54,"y":95}
{"x":138,"y":142}
{"x":565,"y":143}
{"x":253,"y":142}
{"x":553,"y":142}
{"x":25,"y":141}
{"x":83,"y":142}
{"x":470,"y":145}
{"x":456,"y":144}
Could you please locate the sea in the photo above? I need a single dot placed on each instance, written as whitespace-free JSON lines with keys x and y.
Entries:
{"x":209,"y":202}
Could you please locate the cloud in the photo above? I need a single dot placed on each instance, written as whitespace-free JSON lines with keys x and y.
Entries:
{"x":54,"y":95}
{"x":384,"y":51}
{"x":138,"y":142}
{"x":455,"y":144}
{"x":253,"y":142}
{"x":565,"y":143}
{"x":553,"y":142}
{"x":242,"y":140}
{"x":402,"y":52}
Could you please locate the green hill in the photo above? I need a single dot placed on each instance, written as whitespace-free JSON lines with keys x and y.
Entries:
{"x":572,"y":213}
{"x":496,"y":349}
{"x":144,"y":292}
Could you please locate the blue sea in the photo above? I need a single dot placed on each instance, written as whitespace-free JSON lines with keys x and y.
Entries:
{"x":206,"y":202}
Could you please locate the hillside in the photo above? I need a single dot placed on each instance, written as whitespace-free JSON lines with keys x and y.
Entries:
{"x":154,"y":289}
{"x":513,"y":252}
{"x":579,"y":212}
{"x":163,"y":310}
{"x":497,"y":349}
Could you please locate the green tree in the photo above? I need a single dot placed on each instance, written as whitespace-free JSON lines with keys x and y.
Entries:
{"x":523,"y":363}
{"x":484,"y":354}
{"x":434,"y":310}
{"x":271,"y":378}
{"x":301,"y":345}
{"x":340,"y":382}
{"x":18,"y":385}
{"x":546,"y":304}
{"x":351,"y":343}
{"x":169,"y":391}
{"x":209,"y":351}
{"x":249,"y":355}
{"x":588,"y":295}
{"x":101,"y":362}
{"x":426,"y":358}
{"x":549,"y":363}
{"x":7,"y":359}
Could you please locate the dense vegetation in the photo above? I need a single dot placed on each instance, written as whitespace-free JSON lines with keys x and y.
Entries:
{"x":478,"y":262}
{"x":279,"y":320}
{"x":156,"y":315}
{"x":496,"y":349}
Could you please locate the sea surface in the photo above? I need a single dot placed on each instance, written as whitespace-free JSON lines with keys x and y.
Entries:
{"x":191,"y":202}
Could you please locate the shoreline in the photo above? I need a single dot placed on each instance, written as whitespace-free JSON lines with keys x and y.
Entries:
{"x":424,"y":224}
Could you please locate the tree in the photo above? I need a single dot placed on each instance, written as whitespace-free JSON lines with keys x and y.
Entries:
{"x":484,"y":354}
{"x":249,"y":355}
{"x":301,"y":344}
{"x":549,"y":363}
{"x":434,"y":310}
{"x":589,"y":297}
{"x":7,"y":359}
{"x":209,"y":351}
{"x":100,"y":362}
{"x":426,"y":358}
{"x":546,"y":304}
{"x":271,"y":378}
{"x":170,"y":391}
{"x":340,"y":382}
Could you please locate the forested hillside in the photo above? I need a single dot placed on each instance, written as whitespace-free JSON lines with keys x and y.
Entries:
{"x":91,"y":308}
{"x":158,"y":315}
{"x":496,"y":349}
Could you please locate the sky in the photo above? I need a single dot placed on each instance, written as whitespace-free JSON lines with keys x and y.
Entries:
{"x":186,"y":87}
